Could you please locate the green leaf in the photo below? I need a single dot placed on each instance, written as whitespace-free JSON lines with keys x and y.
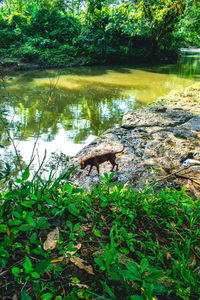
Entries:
{"x":42,"y":223}
{"x":46,"y":296}
{"x":136,"y":297}
{"x":73,"y":209}
{"x":33,"y":238}
{"x":76,"y":226}
{"x":106,"y":176}
{"x":16,"y":271}
{"x":111,"y":175}
{"x":103,"y":198}
{"x":3,"y":228}
{"x":35,"y":275}
{"x":16,"y":245}
{"x":108,"y":289}
{"x":155,"y":275}
{"x":19,"y":180}
{"x":25,"y":295}
{"x":158,"y":288}
{"x":97,"y":233}
{"x":27,"y":265}
{"x":26,"y":174}
{"x":70,"y":171}
{"x":99,"y":261}
{"x":144,"y":264}
{"x":25,"y":227}
{"x":32,"y":196}
{"x":42,"y":265}
{"x":16,"y":214}
{"x":133,"y":268}
{"x":28,"y":203}
{"x":14,"y":222}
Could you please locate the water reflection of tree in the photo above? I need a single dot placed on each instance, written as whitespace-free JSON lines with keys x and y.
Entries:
{"x":187,"y":66}
{"x":190,"y":66}
{"x":81,"y":111}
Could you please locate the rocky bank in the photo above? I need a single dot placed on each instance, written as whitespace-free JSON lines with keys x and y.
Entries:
{"x":159,"y":139}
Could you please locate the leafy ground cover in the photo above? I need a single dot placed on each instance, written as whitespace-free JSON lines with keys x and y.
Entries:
{"x":62,"y":242}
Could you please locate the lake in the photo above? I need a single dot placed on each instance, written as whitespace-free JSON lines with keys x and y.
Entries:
{"x":67,"y":108}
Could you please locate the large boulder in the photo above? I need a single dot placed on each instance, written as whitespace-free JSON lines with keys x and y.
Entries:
{"x":158,"y":138}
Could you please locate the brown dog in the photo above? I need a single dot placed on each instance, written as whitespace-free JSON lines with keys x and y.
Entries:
{"x":96,"y":160}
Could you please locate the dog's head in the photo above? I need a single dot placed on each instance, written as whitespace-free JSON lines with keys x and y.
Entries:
{"x":82,"y":163}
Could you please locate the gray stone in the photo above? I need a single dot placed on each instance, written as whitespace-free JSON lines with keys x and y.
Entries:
{"x":156,"y":139}
{"x":193,"y":124}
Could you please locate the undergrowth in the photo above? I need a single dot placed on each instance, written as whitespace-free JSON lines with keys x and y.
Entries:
{"x":114,"y":243}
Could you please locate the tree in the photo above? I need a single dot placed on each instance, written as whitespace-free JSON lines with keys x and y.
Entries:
{"x":189,"y":26}
{"x":162,"y":17}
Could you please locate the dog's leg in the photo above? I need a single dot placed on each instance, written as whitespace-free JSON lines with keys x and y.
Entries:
{"x":97,"y":166}
{"x":113,"y":162}
{"x":114,"y":166}
{"x":90,"y":170}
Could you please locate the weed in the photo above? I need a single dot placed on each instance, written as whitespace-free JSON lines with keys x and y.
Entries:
{"x":148,"y":243}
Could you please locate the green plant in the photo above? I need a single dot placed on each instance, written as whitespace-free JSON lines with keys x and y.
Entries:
{"x":141,"y":248}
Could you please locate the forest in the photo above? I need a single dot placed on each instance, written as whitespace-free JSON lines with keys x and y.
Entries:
{"x":57,"y":33}
{"x":117,"y":240}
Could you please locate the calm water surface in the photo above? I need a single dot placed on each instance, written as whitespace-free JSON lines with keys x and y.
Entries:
{"x":67,"y":108}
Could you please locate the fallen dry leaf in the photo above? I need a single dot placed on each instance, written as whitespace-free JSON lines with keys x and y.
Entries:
{"x":84,"y":228}
{"x":103,"y":219}
{"x":82,"y":264}
{"x":57,"y":260}
{"x":87,"y":251}
{"x":52,"y":238}
{"x":8,"y":231}
{"x":80,"y":285}
{"x":193,"y":260}
{"x":117,"y":209}
{"x":168,"y":255}
{"x":160,"y":239}
{"x":184,"y":226}
{"x":72,"y":252}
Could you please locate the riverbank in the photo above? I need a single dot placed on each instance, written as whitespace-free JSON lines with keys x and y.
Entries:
{"x":14,"y":63}
{"x":159,"y":139}
{"x":8,"y":64}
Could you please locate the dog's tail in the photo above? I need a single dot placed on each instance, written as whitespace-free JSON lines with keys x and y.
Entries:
{"x":120,"y":151}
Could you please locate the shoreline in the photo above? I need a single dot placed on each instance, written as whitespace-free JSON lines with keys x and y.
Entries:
{"x":14,"y":64}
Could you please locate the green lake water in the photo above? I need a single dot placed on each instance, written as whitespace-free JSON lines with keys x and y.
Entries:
{"x":67,"y":108}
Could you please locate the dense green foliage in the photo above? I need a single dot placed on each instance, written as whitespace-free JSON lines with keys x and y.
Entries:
{"x":55,"y":33}
{"x":133,"y":245}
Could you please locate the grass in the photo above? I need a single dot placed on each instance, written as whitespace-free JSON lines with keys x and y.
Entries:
{"x":110,"y":243}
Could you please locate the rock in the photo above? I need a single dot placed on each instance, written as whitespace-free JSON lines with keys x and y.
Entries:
{"x":183,"y":133}
{"x":156,"y":139}
{"x":193,"y":124}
